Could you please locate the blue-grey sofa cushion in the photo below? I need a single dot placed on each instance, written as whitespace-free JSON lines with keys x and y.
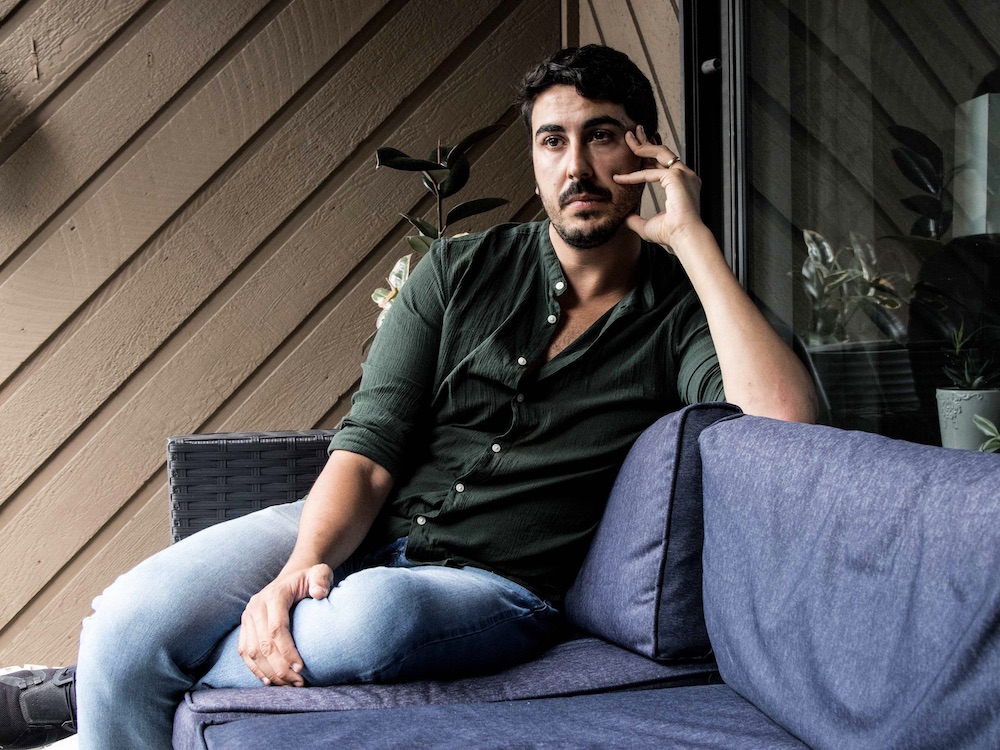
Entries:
{"x":852,"y":584}
{"x":708,"y":717}
{"x":576,"y":666}
{"x":640,"y":584}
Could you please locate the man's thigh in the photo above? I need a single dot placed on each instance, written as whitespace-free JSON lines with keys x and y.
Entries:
{"x":187,"y":597}
{"x":386,"y":624}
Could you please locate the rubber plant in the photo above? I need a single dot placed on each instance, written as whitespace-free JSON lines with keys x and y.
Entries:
{"x":443,"y":173}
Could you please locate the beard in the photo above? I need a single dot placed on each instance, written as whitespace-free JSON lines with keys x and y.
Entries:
{"x":588,"y":235}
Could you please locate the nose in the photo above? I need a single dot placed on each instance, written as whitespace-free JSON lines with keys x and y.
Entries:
{"x":579,"y":166}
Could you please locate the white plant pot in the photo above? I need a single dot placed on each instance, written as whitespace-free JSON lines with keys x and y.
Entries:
{"x":955,"y":411}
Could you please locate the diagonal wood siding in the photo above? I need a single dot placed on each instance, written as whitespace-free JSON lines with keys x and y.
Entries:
{"x":190,"y":229}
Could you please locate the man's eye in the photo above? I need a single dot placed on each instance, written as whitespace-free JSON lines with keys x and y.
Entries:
{"x":551,"y":141}
{"x":601,"y":135}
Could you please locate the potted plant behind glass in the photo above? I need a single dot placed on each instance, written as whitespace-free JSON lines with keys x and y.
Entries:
{"x":857,"y":334}
{"x":974,"y":372}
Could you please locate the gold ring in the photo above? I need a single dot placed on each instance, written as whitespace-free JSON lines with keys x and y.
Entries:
{"x":673,"y":161}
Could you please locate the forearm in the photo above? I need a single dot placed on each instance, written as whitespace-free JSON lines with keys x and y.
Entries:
{"x":760,"y":373}
{"x":340,"y":509}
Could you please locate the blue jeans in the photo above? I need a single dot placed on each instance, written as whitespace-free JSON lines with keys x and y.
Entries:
{"x":171,"y":624}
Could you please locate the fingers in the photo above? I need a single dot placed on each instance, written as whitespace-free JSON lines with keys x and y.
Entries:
{"x":637,"y":224}
{"x":642,"y":175}
{"x":642,"y":146}
{"x":265,"y":642}
{"x":320,"y":578}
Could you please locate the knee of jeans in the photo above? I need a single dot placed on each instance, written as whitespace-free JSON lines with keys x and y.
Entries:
{"x":359,"y":631}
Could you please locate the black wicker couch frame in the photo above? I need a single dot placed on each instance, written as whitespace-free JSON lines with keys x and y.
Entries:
{"x":215,"y":478}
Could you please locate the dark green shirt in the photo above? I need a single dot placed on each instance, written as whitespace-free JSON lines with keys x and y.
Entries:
{"x":502,"y":460}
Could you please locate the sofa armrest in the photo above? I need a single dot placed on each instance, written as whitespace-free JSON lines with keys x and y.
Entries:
{"x":214,"y":478}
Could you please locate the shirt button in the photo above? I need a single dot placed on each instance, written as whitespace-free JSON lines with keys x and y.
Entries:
{"x":421,"y":520}
{"x":522,"y":361}
{"x":552,"y":318}
{"x":459,"y":487}
{"x":560,"y":285}
{"x":519,"y":398}
{"x":496,"y":447}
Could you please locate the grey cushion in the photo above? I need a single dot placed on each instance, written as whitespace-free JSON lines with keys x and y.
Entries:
{"x":640,"y":585}
{"x":851,"y":584}
{"x":705,"y":717}
{"x":580,"y":665}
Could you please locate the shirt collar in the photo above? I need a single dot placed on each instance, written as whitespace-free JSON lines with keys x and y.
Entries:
{"x":643,"y":295}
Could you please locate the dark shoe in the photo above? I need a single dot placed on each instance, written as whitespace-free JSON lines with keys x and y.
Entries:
{"x":37,"y":707}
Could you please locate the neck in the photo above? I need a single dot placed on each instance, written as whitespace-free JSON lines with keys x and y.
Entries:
{"x":604,"y":271}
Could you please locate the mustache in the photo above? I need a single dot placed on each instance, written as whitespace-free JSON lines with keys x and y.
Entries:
{"x":583,"y":187}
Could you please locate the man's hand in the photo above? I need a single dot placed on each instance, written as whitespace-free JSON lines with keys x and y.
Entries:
{"x":681,"y":210}
{"x":266,"y":643}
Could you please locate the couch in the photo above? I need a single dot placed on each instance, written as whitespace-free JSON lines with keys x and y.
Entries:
{"x":753,"y":584}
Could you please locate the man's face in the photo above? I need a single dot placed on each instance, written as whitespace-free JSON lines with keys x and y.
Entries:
{"x":577,"y":145}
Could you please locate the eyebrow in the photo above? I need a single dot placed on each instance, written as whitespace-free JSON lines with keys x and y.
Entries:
{"x":593,"y":122}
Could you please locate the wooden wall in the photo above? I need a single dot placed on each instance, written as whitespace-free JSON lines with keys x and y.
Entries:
{"x":190,"y":228}
{"x":649,"y":32}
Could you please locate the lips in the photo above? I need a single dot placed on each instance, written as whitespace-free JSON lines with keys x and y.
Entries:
{"x":584,"y":200}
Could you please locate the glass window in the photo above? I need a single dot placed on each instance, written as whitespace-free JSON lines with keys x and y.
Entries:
{"x":873,"y":194}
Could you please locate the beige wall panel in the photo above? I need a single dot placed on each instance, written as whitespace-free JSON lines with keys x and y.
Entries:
{"x":6,"y":6}
{"x":164,"y":173}
{"x":213,"y":243}
{"x":49,"y":46}
{"x":114,"y":341}
{"x":48,"y":630}
{"x":232,"y":317}
{"x":106,"y":108}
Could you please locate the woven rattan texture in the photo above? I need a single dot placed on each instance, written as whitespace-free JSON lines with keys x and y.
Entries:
{"x":218,"y":477}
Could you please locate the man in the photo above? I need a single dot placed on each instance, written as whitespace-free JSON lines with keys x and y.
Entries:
{"x":498,"y":400}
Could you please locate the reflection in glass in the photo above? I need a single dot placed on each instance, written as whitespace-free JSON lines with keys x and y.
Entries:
{"x":874,"y":143}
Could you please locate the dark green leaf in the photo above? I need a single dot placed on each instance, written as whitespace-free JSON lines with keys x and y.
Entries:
{"x":925,"y":227}
{"x":424,"y":227}
{"x":918,"y":170}
{"x":473,"y":207}
{"x":396,"y":159}
{"x":458,"y":176}
{"x":819,"y":249}
{"x":419,"y":244}
{"x":884,"y":320}
{"x":925,"y":205}
{"x":837,"y":279}
{"x":367,"y":343}
{"x":864,"y":254}
{"x":433,"y":179}
{"x":471,"y":140}
{"x":919,"y":144}
{"x":440,"y":154}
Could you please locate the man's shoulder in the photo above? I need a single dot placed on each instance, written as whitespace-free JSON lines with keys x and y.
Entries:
{"x":502,"y":236}
{"x":512,"y":247}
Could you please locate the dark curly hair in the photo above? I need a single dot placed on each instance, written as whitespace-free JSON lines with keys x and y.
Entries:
{"x":598,"y":73}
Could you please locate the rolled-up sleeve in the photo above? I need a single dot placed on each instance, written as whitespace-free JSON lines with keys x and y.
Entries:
{"x":391,"y":403}
{"x":699,"y":377}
